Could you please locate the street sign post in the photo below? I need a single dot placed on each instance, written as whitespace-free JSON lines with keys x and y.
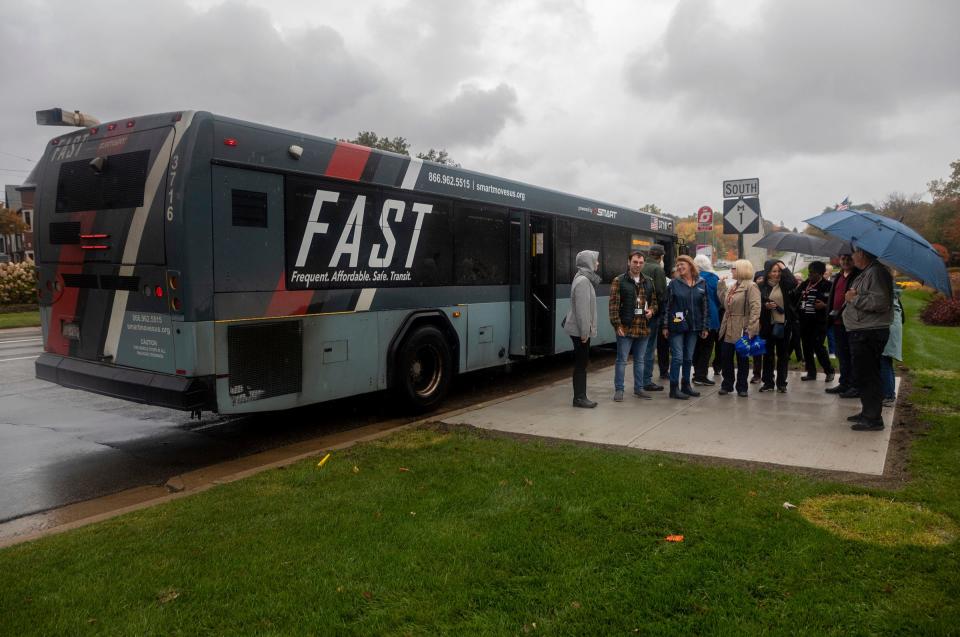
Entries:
{"x":741,"y":216}
{"x":741,"y":208}
{"x":705,"y":219}
{"x":736,"y":188}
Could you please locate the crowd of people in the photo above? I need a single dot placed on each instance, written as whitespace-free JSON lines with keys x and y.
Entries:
{"x":692,"y":320}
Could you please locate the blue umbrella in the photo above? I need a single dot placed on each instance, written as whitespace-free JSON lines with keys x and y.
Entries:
{"x":894,"y":243}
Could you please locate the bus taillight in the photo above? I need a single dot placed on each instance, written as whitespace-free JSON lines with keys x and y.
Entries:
{"x":230,"y":141}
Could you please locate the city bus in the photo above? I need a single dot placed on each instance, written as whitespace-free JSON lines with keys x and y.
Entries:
{"x":199,"y":262}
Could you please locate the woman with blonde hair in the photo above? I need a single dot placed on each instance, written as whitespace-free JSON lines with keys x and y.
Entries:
{"x":741,"y":316}
{"x":685,"y":319}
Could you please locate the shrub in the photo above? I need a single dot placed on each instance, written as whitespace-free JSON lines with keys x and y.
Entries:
{"x":18,"y":283}
{"x":941,"y":311}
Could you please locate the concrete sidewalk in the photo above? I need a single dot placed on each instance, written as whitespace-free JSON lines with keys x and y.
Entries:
{"x":804,"y":427}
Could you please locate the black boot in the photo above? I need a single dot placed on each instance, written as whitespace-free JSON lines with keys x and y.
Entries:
{"x":688,"y":390}
{"x":674,"y":393}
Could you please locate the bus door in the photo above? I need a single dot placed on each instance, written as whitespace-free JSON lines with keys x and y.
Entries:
{"x":540,"y":287}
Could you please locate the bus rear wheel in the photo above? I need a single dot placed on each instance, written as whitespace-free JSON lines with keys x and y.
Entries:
{"x":424,"y":368}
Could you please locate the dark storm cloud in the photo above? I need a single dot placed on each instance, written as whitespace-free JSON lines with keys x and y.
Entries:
{"x":796,"y":78}
{"x":116,"y":59}
{"x":474,"y":116}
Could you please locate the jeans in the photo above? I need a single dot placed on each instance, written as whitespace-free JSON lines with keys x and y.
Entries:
{"x":727,"y":353}
{"x":866,"y":351}
{"x":847,"y":377}
{"x":831,"y":341}
{"x":681,"y":354}
{"x":627,"y":345}
{"x":581,"y":354}
{"x":887,"y":377}
{"x":654,"y":325}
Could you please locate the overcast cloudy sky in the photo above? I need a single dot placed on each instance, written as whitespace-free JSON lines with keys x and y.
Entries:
{"x":653,"y":101}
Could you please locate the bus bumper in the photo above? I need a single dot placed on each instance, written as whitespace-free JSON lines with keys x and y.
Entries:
{"x":164,"y":390}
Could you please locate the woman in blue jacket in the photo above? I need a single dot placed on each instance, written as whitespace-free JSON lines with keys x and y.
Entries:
{"x":685,"y":320}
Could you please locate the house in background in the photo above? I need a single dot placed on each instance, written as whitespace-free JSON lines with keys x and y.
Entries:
{"x":18,"y":247}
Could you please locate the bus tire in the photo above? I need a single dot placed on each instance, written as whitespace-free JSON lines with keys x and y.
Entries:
{"x":424,"y":368}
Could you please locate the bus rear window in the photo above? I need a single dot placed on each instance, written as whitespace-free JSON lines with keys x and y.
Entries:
{"x":120,"y":184}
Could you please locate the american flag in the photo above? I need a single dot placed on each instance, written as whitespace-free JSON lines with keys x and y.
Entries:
{"x":843,"y":205}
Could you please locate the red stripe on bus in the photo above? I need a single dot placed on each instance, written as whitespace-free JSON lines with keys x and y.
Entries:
{"x":65,"y":305}
{"x":288,"y":302}
{"x":348,"y":161}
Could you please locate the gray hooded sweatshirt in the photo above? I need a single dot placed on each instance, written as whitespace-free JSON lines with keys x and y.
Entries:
{"x":581,"y":320}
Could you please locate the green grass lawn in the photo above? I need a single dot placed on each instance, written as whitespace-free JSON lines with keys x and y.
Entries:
{"x":430,"y":533}
{"x":20,"y":319}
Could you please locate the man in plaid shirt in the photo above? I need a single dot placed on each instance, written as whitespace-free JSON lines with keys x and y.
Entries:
{"x":632,"y":303}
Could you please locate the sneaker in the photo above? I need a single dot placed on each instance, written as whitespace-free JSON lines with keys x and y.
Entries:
{"x":724,"y":392}
{"x":829,"y":377}
{"x":742,"y":394}
{"x":653,"y":387}
{"x":856,"y":417}
{"x":618,"y":396}
{"x":584,"y":403}
{"x":839,"y":389}
{"x":707,"y":382}
{"x":868,"y":425}
{"x":808,"y":377}
{"x":889,"y":402}
{"x":700,"y":381}
{"x":767,"y":387}
{"x":782,"y":389}
{"x":642,"y":395}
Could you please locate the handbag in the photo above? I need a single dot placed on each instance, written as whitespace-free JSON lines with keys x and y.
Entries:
{"x":778,"y":330}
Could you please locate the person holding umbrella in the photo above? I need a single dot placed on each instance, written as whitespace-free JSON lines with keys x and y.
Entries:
{"x":867,"y":315}
{"x":847,"y":387}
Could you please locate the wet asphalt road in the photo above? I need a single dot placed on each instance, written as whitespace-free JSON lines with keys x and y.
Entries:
{"x":59,"y":446}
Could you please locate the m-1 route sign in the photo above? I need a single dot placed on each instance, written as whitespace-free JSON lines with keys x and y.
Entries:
{"x":737,"y":188}
{"x":705,"y":219}
{"x":741,"y":216}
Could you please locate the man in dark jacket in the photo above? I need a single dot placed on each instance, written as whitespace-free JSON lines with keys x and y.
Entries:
{"x":867,"y":315}
{"x":632,"y":303}
{"x":814,"y":299}
{"x":653,"y":270}
{"x":847,"y":388}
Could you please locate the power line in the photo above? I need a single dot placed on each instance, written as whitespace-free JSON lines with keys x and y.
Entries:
{"x":17,"y":156}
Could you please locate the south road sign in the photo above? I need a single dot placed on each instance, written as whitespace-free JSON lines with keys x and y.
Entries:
{"x":741,"y":216}
{"x":736,"y":188}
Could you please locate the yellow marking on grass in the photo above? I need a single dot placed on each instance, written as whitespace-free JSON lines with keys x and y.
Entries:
{"x":879,"y":521}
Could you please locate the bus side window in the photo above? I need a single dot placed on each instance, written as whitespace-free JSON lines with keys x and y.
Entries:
{"x":615,"y":251}
{"x":480,"y":246}
{"x":249,"y":209}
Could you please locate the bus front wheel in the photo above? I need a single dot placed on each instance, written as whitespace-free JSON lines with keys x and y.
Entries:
{"x":424,"y":368}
